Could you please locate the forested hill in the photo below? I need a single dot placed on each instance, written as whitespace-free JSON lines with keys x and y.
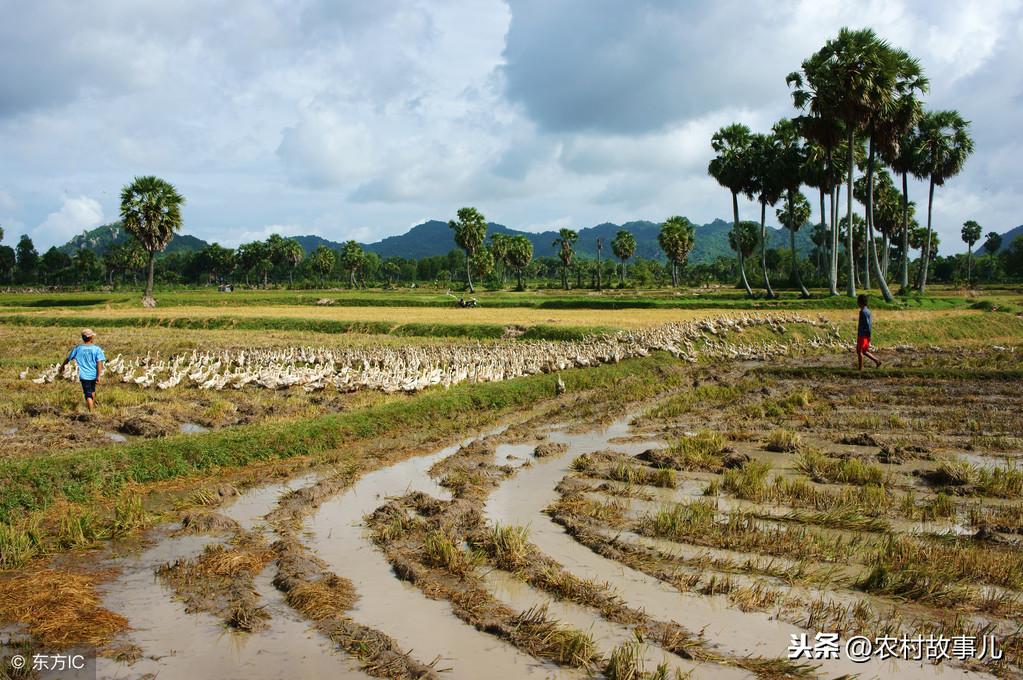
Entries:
{"x":435,"y":238}
{"x":103,"y":237}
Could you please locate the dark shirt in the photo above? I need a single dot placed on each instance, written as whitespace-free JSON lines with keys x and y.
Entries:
{"x":866,"y":323}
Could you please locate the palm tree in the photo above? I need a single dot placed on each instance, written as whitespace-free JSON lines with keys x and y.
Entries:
{"x":888,"y":213}
{"x":743,"y":238}
{"x":676,"y":240}
{"x":519,"y":255}
{"x":841,"y":80}
{"x":151,"y":212}
{"x":352,"y":259}
{"x":292,"y":254}
{"x":322,"y":261}
{"x":732,"y":170}
{"x":792,"y":216}
{"x":826,"y":137}
{"x":816,"y":172}
{"x":624,"y":247}
{"x":790,"y":172}
{"x":900,"y":154}
{"x":565,"y":243}
{"x":499,"y":249}
{"x":470,"y":230}
{"x":766,"y":184}
{"x":993,"y":242}
{"x":894,"y":80}
{"x":944,"y":144}
{"x":971,"y":234}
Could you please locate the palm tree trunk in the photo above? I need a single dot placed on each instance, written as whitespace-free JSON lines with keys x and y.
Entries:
{"x":833,"y":243}
{"x":795,"y":266}
{"x":468,"y":272}
{"x":871,"y":243}
{"x":866,"y":255}
{"x":152,"y":264}
{"x":824,"y":225}
{"x":622,"y":273}
{"x":904,"y":275}
{"x":735,"y":230}
{"x":851,"y":286}
{"x":833,"y":250}
{"x":927,"y":244}
{"x":763,"y":250}
{"x":969,"y":264}
{"x":884,"y":256}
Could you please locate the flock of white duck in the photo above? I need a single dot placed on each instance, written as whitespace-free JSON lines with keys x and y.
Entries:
{"x":412,"y":368}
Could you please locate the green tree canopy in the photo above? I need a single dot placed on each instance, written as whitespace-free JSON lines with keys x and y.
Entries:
{"x":151,"y":213}
{"x":322,"y":261}
{"x":676,"y":239}
{"x":992,"y":243}
{"x":470,"y":229}
{"x":352,"y":260}
{"x":565,"y":244}
{"x":623,"y":245}
{"x":519,"y":255}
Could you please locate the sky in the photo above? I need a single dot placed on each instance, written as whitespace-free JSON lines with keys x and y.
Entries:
{"x":360,"y":119}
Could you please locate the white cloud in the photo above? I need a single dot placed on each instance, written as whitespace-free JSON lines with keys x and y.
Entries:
{"x":75,"y":215}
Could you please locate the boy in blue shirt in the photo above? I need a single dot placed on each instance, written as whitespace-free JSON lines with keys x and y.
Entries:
{"x":90,"y":360}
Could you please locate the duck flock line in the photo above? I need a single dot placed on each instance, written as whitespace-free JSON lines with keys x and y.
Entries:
{"x":412,"y":368}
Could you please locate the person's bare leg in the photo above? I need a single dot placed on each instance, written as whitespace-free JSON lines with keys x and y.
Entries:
{"x":870,"y":356}
{"x":89,"y":401}
{"x":859,"y":360}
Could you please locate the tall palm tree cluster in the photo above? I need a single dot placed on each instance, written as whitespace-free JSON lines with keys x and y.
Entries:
{"x":859,"y":110}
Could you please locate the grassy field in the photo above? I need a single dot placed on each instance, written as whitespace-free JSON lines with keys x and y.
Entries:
{"x":555,"y":315}
{"x":715,"y":298}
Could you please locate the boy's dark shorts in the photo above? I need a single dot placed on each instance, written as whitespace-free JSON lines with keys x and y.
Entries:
{"x":88,"y":388}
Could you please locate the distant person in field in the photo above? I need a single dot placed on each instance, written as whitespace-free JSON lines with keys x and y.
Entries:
{"x":90,"y":359}
{"x":863,"y":332}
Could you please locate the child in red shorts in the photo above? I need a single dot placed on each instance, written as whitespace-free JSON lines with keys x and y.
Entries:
{"x":863,"y":332}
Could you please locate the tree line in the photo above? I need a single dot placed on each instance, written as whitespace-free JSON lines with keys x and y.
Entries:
{"x":280,"y":261}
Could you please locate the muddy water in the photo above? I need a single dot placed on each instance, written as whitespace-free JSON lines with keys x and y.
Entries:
{"x":521,"y":500}
{"x":521,"y":597}
{"x":176,"y":644}
{"x":420,"y":625}
{"x":250,"y":507}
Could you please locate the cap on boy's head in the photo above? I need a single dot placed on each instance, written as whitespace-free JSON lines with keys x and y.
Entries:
{"x":861,"y":300}
{"x":88,"y":333}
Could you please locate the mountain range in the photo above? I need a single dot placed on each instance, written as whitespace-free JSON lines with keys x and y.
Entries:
{"x":434,"y":237}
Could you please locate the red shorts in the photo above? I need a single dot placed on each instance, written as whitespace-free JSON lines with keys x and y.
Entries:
{"x":862,"y":344}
